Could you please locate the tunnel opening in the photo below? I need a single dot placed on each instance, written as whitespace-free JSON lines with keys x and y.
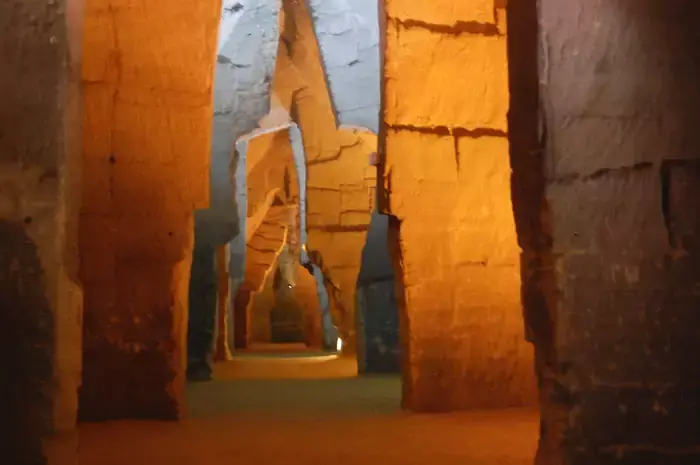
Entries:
{"x":343,"y":233}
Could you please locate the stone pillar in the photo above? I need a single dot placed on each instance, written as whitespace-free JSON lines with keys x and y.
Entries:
{"x":608,"y":206}
{"x":446,"y":181}
{"x":222,"y":348}
{"x":40,"y":301}
{"x":148,"y":77}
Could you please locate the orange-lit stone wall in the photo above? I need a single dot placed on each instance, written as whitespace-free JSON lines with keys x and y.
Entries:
{"x":446,"y":180}
{"x":147,"y":76}
{"x":340,"y":179}
{"x":266,"y":235}
{"x":271,"y":223}
{"x":270,"y":165}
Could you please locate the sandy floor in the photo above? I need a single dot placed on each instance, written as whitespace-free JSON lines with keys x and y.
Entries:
{"x":316,"y":412}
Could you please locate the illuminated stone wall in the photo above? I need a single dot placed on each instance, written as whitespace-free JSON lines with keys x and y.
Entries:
{"x":272,"y":211}
{"x":446,"y":181}
{"x":147,"y":80}
{"x":340,"y":179}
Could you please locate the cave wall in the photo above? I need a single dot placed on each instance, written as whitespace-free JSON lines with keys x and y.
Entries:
{"x":340,"y":176}
{"x":271,"y":217}
{"x":245,"y":57}
{"x":147,"y":79}
{"x":446,"y":182}
{"x":606,"y":198}
{"x":40,"y":298}
{"x":377,"y":319}
{"x":347,"y":33}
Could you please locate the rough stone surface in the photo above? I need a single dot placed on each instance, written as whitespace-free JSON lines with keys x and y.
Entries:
{"x":608,"y":228}
{"x":248,"y":160}
{"x":446,"y":181}
{"x":248,"y":32}
{"x":40,"y":302}
{"x":147,"y":78}
{"x":340,"y":180}
{"x":377,"y":322}
{"x":379,"y":349}
{"x":478,"y":59}
{"x":347,"y":33}
{"x":444,"y":12}
{"x":265,"y":241}
{"x":224,"y":307}
{"x":272,"y":219}
{"x":244,"y":68}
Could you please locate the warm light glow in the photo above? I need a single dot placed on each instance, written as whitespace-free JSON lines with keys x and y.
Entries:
{"x":339,"y":345}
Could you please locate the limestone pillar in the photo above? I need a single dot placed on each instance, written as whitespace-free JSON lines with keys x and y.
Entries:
{"x":148,"y":76}
{"x":607,"y":168}
{"x":222,"y":346}
{"x":40,"y":301}
{"x":446,"y":181}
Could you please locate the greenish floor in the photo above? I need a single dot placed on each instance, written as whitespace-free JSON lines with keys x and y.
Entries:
{"x":348,"y":396}
{"x":305,"y":412}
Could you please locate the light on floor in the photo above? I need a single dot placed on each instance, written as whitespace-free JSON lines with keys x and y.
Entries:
{"x":339,"y":345}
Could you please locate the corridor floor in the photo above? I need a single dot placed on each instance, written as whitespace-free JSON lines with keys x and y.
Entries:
{"x":311,"y":411}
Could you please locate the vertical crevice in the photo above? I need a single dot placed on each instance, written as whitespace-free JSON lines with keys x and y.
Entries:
{"x":382,"y":190}
{"x":396,"y":255}
{"x":665,"y":179}
{"x":527,"y":138}
{"x":456,"y":142}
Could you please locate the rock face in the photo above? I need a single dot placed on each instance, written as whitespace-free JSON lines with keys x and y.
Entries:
{"x":266,"y":237}
{"x":40,"y":302}
{"x":247,"y":45}
{"x":272,"y":219}
{"x":244,"y":67}
{"x":446,"y":181}
{"x":147,"y":80}
{"x":340,"y":179}
{"x":347,"y":32}
{"x":607,"y":204}
{"x":377,"y":322}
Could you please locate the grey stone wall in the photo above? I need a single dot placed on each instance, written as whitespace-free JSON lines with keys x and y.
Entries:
{"x":376,"y":313}
{"x":610,"y":278}
{"x":39,"y":201}
{"x":348,"y":36}
{"x":248,"y":38}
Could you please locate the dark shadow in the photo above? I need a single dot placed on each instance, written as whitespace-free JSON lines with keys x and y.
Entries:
{"x":376,"y":315}
{"x":26,"y":348}
{"x":526,"y":135}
